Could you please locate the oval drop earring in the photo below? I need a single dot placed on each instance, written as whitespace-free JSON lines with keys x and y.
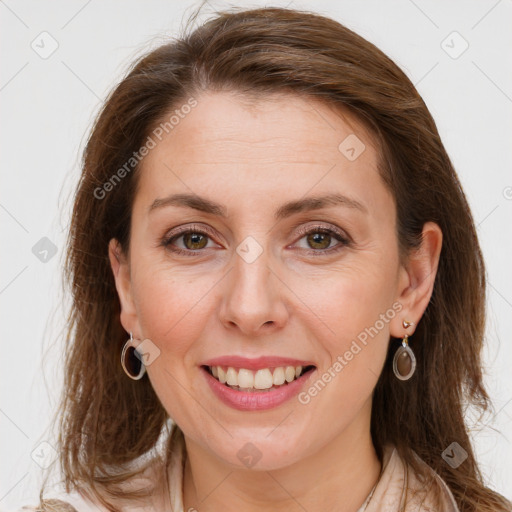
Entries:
{"x":404,"y":361}
{"x":130,"y":360}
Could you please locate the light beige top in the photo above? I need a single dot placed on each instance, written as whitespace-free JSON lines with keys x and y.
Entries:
{"x":387,"y":495}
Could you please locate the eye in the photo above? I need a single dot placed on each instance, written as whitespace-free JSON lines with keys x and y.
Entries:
{"x":319,"y":240}
{"x":193,"y":240}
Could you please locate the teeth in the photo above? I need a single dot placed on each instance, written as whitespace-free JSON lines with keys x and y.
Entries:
{"x":262,"y":379}
{"x":289,"y":373}
{"x":245,"y":379}
{"x":232,"y":377}
{"x":279,"y":376}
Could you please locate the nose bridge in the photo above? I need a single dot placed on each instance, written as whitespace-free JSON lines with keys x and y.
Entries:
{"x":253,"y":297}
{"x":251,"y":267}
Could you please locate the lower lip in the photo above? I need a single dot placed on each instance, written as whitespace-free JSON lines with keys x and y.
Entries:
{"x":256,"y":400}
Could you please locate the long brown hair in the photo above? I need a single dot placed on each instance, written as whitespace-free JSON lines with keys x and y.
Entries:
{"x":107,"y":420}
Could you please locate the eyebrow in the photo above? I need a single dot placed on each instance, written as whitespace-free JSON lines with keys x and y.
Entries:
{"x":286,"y":210}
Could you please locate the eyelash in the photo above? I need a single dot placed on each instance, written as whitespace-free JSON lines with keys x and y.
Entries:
{"x":338,"y":235}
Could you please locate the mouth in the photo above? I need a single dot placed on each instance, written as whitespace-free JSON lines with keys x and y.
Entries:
{"x":263,"y":380}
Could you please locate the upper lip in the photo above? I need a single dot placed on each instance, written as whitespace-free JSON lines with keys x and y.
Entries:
{"x":256,"y":363}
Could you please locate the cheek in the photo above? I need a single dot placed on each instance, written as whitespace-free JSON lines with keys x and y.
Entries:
{"x":355,"y":313}
{"x":170,"y":305}
{"x":349,"y":300}
{"x":355,"y":306}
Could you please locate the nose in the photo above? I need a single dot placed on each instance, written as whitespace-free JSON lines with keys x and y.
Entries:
{"x":254,"y":297}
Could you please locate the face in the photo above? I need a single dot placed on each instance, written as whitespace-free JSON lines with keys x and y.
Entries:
{"x":311,"y":284}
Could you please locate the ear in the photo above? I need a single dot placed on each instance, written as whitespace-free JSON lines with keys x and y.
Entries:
{"x":416,"y":280}
{"x":121,"y":269}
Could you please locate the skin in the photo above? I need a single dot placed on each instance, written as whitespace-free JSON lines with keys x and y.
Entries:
{"x":253,"y":156}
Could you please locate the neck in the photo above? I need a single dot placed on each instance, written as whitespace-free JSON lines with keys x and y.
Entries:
{"x":338,"y":478}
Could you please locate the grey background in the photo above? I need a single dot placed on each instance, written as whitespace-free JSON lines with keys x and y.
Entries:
{"x":48,"y":103}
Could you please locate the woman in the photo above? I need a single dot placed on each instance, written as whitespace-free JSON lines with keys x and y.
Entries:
{"x":270,"y":234}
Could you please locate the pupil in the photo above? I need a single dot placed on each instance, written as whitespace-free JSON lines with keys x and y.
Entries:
{"x":319,"y":238}
{"x":195,"y":238}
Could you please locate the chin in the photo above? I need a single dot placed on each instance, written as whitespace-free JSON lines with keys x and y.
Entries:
{"x":259,"y":451}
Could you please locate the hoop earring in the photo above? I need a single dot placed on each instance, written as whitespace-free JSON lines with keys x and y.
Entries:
{"x":404,"y":361}
{"x":131,"y":361}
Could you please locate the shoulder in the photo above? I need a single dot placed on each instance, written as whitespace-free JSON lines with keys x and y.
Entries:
{"x":424,"y":495}
{"x":401,"y":486}
{"x":150,"y":479}
{"x":72,"y":502}
{"x":64,"y":502}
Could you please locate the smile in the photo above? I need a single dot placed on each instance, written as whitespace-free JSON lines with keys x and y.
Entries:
{"x":264,"y":379}
{"x":259,"y":389}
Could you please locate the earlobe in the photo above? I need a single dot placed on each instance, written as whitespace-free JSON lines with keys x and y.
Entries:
{"x":416,"y":282}
{"x":121,"y":270}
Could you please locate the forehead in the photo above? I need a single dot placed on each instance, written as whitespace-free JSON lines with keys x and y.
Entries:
{"x":278,"y":121}
{"x":271,"y":145}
